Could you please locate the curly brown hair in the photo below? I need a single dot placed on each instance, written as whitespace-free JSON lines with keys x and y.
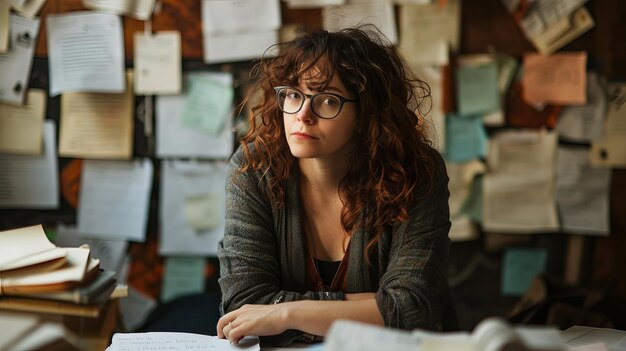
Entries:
{"x":392,"y":163}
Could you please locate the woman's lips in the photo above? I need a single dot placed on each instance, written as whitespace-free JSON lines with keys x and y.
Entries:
{"x":303,"y":136}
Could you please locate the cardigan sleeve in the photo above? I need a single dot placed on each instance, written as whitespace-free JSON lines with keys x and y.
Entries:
{"x":248,"y":254}
{"x":409,"y":292}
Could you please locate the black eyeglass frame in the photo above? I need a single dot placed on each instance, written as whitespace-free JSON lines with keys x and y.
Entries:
{"x":342,"y":101}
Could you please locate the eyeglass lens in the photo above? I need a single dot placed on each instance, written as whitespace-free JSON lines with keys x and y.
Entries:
{"x":323,"y":105}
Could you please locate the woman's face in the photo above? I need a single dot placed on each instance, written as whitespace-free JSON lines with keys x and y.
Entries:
{"x":309,"y":136}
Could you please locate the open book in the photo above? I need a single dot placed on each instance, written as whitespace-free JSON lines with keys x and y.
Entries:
{"x":28,"y":249}
{"x":492,"y":334}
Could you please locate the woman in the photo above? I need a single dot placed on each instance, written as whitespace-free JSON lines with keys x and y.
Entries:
{"x":337,"y":206}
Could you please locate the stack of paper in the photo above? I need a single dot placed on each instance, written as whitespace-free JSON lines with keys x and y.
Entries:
{"x":38,"y":276}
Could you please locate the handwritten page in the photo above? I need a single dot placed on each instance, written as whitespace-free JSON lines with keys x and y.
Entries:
{"x":5,"y":10}
{"x":614,"y":340}
{"x":584,"y":123}
{"x":518,"y":192}
{"x":15,"y":64}
{"x":427,"y":31}
{"x":558,"y":79}
{"x":140,"y":9}
{"x":171,"y":341}
{"x":180,"y":182}
{"x":97,"y":125}
{"x":182,"y":276}
{"x":610,"y":149}
{"x":435,"y":118}
{"x":379,"y":13}
{"x":21,"y":127}
{"x":174,"y":139}
{"x":31,"y":181}
{"x":461,"y":179}
{"x":239,"y":30}
{"x":208,"y":104}
{"x":157,"y":63}
{"x":28,"y":8}
{"x":466,"y":138}
{"x":110,"y":252}
{"x":583,"y":193}
{"x":114,"y":199}
{"x":477,"y":84}
{"x":70,"y":36}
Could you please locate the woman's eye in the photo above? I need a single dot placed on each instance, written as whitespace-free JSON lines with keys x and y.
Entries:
{"x":330,"y":101}
{"x":293,"y":96}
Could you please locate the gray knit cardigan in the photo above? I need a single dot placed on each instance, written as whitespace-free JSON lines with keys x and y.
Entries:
{"x":262,"y":255}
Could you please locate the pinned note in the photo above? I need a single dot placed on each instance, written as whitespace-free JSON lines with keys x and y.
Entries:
{"x":203,"y":212}
{"x":521,"y":266}
{"x":207,"y":104}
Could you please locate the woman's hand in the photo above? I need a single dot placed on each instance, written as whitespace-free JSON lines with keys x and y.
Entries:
{"x":257,"y":320}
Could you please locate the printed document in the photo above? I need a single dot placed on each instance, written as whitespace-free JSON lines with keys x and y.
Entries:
{"x":157,"y":63}
{"x":15,"y":64}
{"x":21,"y":127}
{"x":114,"y":199}
{"x":519,"y":189}
{"x":31,"y":181}
{"x":140,"y":9}
{"x":85,"y":52}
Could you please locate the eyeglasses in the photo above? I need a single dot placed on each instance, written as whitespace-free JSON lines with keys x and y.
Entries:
{"x":324,"y":105}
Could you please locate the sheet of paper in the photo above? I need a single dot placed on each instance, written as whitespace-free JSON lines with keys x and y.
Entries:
{"x":182,"y":276}
{"x":461,"y":179}
{"x":207,"y":104}
{"x":477,"y":85}
{"x":598,"y":346}
{"x":466,"y":138}
{"x":306,"y":4}
{"x":545,"y":13}
{"x":240,"y":46}
{"x":21,"y":127}
{"x":582,"y":193}
{"x":31,"y":181}
{"x":202,"y":211}
{"x":435,"y":118}
{"x":583,"y":335}
{"x":519,"y":190}
{"x":4,"y":25}
{"x":19,"y":324}
{"x":507,"y":68}
{"x":15,"y":64}
{"x":240,"y":16}
{"x":180,"y":181}
{"x":379,"y":13}
{"x":174,"y":139}
{"x":610,"y":149}
{"x":157,"y":63}
{"x":28,"y":8}
{"x":520,"y":267}
{"x":97,"y":125}
{"x":140,"y":9}
{"x":558,"y":79}
{"x":114,"y":199}
{"x":70,"y":36}
{"x":584,"y":123}
{"x":135,"y":308}
{"x":110,"y":252}
{"x":563,"y":32}
{"x":427,"y":31}
{"x":172,"y":341}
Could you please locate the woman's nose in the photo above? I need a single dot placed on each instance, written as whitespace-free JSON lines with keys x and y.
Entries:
{"x":305,"y":115}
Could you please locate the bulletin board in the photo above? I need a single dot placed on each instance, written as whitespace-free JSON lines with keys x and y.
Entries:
{"x":485,"y":26}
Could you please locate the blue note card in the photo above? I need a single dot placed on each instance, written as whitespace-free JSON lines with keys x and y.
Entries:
{"x":466,"y":138}
{"x":520,"y":267}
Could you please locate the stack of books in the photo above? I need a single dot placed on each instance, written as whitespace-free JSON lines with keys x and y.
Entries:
{"x":37,"y":276}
